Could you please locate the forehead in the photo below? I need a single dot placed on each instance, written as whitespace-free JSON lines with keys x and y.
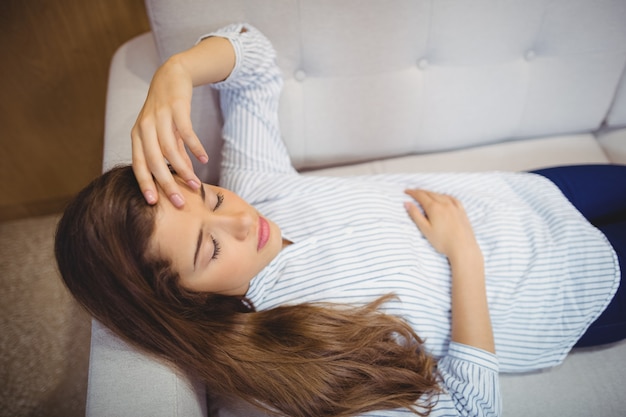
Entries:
{"x":156,"y":249}
{"x":174,"y":228}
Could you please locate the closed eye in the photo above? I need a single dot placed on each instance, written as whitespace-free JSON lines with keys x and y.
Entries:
{"x":220,"y":200}
{"x":216,"y":244}
{"x":216,"y":248}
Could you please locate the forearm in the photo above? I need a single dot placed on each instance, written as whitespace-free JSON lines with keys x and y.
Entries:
{"x":471,"y":322}
{"x":209,"y":61}
{"x":447,"y":227}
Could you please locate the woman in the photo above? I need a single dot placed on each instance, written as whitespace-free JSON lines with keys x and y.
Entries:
{"x":230,"y":286}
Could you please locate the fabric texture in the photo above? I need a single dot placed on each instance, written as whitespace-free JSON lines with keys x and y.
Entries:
{"x":353,"y":242}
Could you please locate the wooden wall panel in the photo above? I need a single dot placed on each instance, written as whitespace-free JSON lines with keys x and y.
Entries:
{"x":53,"y":77}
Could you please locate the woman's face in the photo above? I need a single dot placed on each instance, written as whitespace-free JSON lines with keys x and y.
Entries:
{"x":217,"y":242}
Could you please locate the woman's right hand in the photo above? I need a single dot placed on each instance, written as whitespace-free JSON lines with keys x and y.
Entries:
{"x":163,"y":127}
{"x":162,"y":130}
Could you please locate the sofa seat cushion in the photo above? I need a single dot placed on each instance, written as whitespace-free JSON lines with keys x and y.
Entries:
{"x":521,"y":155}
{"x":614,"y":144}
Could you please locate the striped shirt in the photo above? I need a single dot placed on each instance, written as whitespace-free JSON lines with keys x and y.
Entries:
{"x":549,"y":273}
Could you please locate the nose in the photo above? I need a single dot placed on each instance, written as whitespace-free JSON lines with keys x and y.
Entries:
{"x":237,"y":224}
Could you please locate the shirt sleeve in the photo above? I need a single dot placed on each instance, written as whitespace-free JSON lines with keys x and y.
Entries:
{"x":470,"y":378}
{"x":249,"y":102}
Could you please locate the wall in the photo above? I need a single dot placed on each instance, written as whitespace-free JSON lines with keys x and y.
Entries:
{"x":56,"y":55}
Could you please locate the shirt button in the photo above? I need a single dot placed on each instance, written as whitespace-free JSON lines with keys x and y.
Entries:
{"x":349,"y":231}
{"x":423,"y":64}
{"x":299,"y":75}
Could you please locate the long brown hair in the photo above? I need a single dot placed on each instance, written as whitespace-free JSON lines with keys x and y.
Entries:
{"x":299,"y":360}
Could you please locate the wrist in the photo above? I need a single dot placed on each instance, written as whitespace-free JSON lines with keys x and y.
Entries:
{"x":468,"y":254}
{"x":210,"y":61}
{"x":174,"y":67}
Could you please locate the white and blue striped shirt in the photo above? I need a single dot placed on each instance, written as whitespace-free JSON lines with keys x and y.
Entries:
{"x":549,"y":273}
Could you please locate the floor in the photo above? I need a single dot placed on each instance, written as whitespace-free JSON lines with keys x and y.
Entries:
{"x":44,"y":334}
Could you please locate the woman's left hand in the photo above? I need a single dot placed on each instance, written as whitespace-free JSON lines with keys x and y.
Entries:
{"x":447,"y":227}
{"x":444,"y":222}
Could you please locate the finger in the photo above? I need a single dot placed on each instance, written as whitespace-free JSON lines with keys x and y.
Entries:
{"x":418,"y":217}
{"x":184,"y":127}
{"x":194,"y":184}
{"x":183,"y":152}
{"x":158,"y":167}
{"x":456,"y":202}
{"x":175,"y":154}
{"x":142,"y":173}
{"x":423,"y":197}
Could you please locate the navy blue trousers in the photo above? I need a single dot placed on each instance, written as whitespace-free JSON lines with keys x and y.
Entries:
{"x":599,"y":193}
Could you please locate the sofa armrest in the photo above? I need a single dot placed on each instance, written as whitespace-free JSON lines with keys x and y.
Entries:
{"x":126,"y":382}
{"x":122,"y":380}
{"x":130,"y":73}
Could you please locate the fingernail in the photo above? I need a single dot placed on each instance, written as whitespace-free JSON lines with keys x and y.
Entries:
{"x":193,"y":184}
{"x":177,"y":200}
{"x":150,"y":197}
{"x":204,"y":159}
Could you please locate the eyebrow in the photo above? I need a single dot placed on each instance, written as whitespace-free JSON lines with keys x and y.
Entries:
{"x":200,"y":235}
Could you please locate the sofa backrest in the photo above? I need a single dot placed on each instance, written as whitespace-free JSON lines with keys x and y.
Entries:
{"x":377,"y":78}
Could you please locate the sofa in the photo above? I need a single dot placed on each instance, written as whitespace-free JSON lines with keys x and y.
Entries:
{"x":376,"y":86}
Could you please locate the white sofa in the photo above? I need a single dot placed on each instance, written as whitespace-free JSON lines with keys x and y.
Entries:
{"x":405,"y":85}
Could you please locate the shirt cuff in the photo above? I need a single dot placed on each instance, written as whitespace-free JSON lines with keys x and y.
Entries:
{"x":475,"y":355}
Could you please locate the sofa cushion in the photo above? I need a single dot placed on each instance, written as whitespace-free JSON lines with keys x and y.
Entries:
{"x":522,"y":155}
{"x":617,"y":114}
{"x":614,"y":144}
{"x":366,"y":81}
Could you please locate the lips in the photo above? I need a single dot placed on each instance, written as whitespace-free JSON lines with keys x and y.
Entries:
{"x":264,"y":233}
